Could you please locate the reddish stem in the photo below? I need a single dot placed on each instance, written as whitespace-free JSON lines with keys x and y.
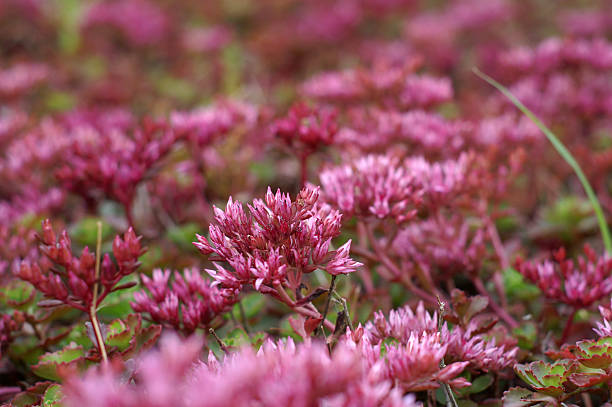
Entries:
{"x":500,"y":311}
{"x":568,"y":326}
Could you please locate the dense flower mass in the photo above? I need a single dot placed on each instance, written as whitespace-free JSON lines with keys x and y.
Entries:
{"x":336,"y":200}
{"x":461,"y":343}
{"x":188,"y":303}
{"x":275,"y":242}
{"x":69,"y":279}
{"x":577,"y":284}
{"x":286,"y":374}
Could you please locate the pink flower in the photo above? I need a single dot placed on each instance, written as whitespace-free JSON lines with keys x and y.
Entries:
{"x":275,"y":239}
{"x":141,"y":22}
{"x":376,"y":186}
{"x":20,"y":78}
{"x":443,"y":246}
{"x":577,"y":284}
{"x":461,"y":344}
{"x":280,"y":374}
{"x":61,"y":276}
{"x":190,"y":302}
{"x":604,"y":328}
{"x":306,"y":129}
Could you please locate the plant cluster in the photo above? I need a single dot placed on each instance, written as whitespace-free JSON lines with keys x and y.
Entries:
{"x":348,"y":203}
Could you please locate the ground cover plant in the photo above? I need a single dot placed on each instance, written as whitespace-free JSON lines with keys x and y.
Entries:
{"x":326,"y":203}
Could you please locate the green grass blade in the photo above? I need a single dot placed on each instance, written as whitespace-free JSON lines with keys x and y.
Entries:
{"x":562,"y":150}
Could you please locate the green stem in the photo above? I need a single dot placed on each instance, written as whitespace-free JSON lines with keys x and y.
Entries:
{"x":94,"y":303}
{"x":562,"y":150}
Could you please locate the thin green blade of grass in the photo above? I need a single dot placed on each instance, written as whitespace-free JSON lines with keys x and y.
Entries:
{"x":562,"y":150}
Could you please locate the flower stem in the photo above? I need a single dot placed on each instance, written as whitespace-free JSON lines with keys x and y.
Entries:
{"x":219,"y":341}
{"x":94,"y":303}
{"x":332,"y":285}
{"x":450,"y":397}
{"x":568,"y":326}
{"x":500,"y":311}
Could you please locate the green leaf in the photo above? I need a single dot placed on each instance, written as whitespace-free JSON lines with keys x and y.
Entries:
{"x":479,"y":384}
{"x":51,"y":363}
{"x":85,"y":231}
{"x":563,"y":151}
{"x":31,"y":396}
{"x":237,"y":338}
{"x":18,"y":294}
{"x":258,"y":339}
{"x":520,"y":397}
{"x":517,"y":287}
{"x":183,"y":235}
{"x":252,"y":304}
{"x":527,"y":335}
{"x":119,"y":335}
{"x":52,"y":396}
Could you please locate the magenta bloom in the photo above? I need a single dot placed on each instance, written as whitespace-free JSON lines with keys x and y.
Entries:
{"x":20,"y":78}
{"x":374,"y":186}
{"x":69,"y":279}
{"x":461,"y":344}
{"x":280,"y":374}
{"x":275,"y":242}
{"x":578,"y":284}
{"x":141,"y":22}
{"x":187,"y":303}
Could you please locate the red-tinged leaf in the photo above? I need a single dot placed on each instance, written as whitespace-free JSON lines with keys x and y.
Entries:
{"x":53,"y":396}
{"x":311,"y":324}
{"x":485,"y":326}
{"x":31,"y":396}
{"x":466,"y":307}
{"x":597,"y":361}
{"x":564,"y":353}
{"x":134,"y":321}
{"x":18,"y":294}
{"x":297,"y":323}
{"x":119,"y":335}
{"x":142,"y":340}
{"x":584,"y":380}
{"x":521,"y":397}
{"x":51,"y":363}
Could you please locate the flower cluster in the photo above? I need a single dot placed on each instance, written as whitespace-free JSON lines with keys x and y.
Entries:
{"x":187,"y":303}
{"x":413,"y":363}
{"x":275,"y":242}
{"x":578,"y":284}
{"x":384,"y":186}
{"x":388,"y":87}
{"x":68,"y":279}
{"x":462,"y":344}
{"x":441,"y":246}
{"x":373,"y":186}
{"x":113,"y":163}
{"x":604,"y":328}
{"x":9,"y":326}
{"x":286,"y":374}
{"x":305,"y":129}
{"x":21,"y":78}
{"x":140,"y":22}
{"x":204,"y":125}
